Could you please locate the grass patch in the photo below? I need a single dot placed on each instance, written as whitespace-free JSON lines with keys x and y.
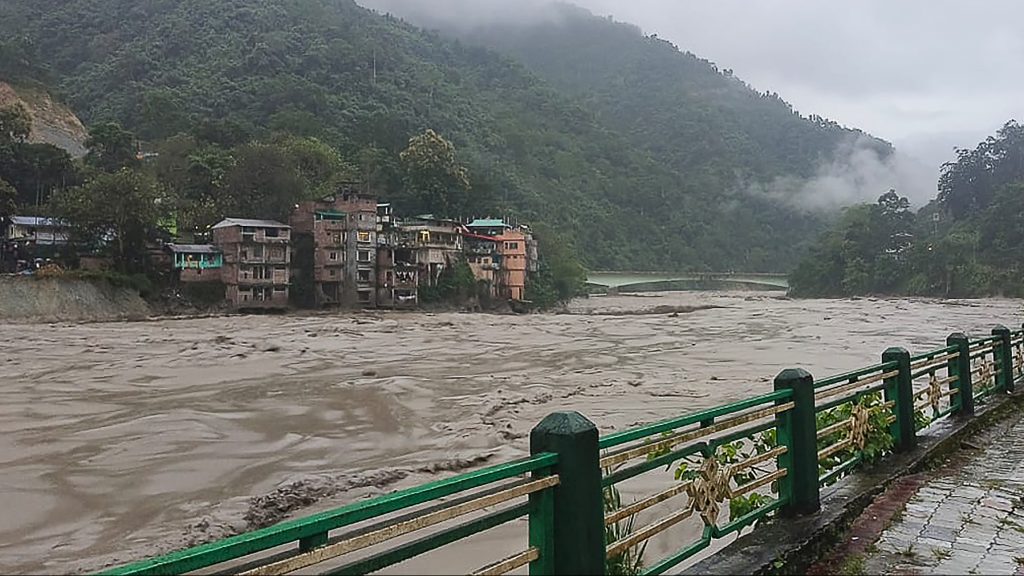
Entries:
{"x":852,"y":566}
{"x":137,"y":282}
{"x":1007,"y":523}
{"x":909,"y":552}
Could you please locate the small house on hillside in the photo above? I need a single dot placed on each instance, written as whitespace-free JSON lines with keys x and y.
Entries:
{"x":37,"y":231}
{"x":196,"y":262}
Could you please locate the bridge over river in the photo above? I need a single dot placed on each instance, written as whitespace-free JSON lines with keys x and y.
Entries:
{"x":660,"y":281}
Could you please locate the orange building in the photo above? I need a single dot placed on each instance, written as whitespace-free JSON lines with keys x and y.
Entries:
{"x":511,"y":246}
{"x":509,"y":261}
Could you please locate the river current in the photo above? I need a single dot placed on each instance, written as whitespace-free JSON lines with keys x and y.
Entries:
{"x":122,"y":440}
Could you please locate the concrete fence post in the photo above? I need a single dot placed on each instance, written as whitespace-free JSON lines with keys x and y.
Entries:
{"x":1004,"y":357}
{"x":578,"y":531}
{"x":899,"y":389}
{"x":961,"y":368}
{"x":797,"y":430}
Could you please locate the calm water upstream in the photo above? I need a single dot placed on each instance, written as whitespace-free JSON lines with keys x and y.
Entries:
{"x":122,"y":440}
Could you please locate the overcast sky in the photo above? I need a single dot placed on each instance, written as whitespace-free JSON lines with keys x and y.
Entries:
{"x":926,"y":75}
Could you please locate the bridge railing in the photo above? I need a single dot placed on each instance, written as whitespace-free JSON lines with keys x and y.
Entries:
{"x":697,"y":479}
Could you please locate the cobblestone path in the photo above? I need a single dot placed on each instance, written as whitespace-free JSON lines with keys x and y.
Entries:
{"x":968,"y":518}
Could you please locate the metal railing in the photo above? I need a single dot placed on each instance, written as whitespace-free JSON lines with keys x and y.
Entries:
{"x":734,"y":465}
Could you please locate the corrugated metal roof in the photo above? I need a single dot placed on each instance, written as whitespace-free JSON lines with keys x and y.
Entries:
{"x":229,"y":222}
{"x":40,"y":221}
{"x":488,"y":223}
{"x":194,"y":248}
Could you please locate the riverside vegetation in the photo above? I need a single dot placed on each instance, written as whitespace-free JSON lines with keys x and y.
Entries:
{"x":220,"y":88}
{"x":964,"y":243}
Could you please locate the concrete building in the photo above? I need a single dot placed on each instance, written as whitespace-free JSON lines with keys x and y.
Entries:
{"x":196,"y":262}
{"x":431,"y":244}
{"x":341,"y":232}
{"x":513,"y":254}
{"x":484,"y":260}
{"x":257,"y":256}
{"x":397,"y":272}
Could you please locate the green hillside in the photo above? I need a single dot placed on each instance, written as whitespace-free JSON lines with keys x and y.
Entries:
{"x":683,"y":109}
{"x":630,"y":195}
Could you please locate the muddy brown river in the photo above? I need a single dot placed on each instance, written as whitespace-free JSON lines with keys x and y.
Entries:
{"x":122,"y":440}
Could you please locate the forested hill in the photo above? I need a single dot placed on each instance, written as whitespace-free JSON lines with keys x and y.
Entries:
{"x":655,"y":185}
{"x":682,"y":108}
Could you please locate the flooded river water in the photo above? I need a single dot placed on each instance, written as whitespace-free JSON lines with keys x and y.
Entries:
{"x":122,"y":440}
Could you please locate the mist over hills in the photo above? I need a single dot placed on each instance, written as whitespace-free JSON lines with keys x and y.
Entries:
{"x":644,"y":156}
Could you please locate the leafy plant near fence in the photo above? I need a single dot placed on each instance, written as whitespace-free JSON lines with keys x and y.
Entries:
{"x":878,"y":439}
{"x":878,"y":442}
{"x":631,"y":561}
{"x":728,"y":454}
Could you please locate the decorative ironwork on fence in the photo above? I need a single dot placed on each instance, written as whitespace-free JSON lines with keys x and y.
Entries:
{"x":734,"y":465}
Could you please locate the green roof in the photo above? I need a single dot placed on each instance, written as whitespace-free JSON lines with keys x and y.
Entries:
{"x":330,"y":214}
{"x":488,"y":223}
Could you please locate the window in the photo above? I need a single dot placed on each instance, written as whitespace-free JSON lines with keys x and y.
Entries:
{"x":364,"y":236}
{"x":272,"y":232}
{"x":332,"y":272}
{"x":257,"y":251}
{"x":280,"y":288}
{"x":363,"y":275}
{"x":277,"y":253}
{"x":363,"y":256}
{"x":333,"y":256}
{"x":337,"y":238}
{"x":364,"y":296}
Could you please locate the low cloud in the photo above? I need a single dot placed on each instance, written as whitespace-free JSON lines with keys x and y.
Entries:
{"x":857,"y":174}
{"x":468,"y":14}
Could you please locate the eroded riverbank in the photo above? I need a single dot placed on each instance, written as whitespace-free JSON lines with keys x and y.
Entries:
{"x":122,"y":440}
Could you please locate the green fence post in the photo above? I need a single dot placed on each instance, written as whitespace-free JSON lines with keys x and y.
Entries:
{"x":797,"y":430}
{"x":961,"y":368}
{"x":900,"y":390}
{"x":578,"y":518}
{"x":1004,"y":352}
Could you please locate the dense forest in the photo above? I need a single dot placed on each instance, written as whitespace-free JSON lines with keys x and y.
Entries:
{"x":965,"y":243}
{"x":657,"y":185}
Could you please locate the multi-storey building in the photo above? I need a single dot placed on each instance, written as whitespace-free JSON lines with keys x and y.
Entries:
{"x":509,"y":260}
{"x":341,"y":231}
{"x":431,"y":244}
{"x":397,"y":272}
{"x":257,"y":254}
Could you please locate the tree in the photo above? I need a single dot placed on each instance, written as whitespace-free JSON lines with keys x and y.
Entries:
{"x":8,"y":202}
{"x":435,"y":181}
{"x":560,"y":276}
{"x":319,"y":166}
{"x":15,"y":124}
{"x":117,"y":211}
{"x":110,"y":148}
{"x":262,"y":183}
{"x":37,"y":170}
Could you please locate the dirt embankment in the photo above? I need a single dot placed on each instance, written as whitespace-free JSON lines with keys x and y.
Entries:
{"x":25,"y":299}
{"x":52,"y":122}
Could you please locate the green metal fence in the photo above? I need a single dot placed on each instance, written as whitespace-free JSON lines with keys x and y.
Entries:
{"x":720,"y":471}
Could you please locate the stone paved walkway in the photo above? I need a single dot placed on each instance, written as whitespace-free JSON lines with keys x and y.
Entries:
{"x":968,"y":518}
